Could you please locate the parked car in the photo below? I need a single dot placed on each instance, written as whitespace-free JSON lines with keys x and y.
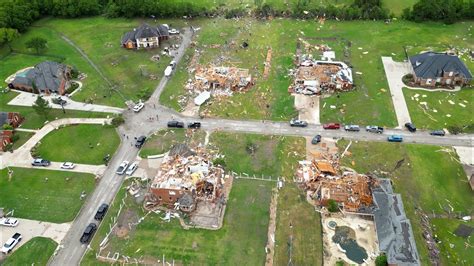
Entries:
{"x":168,"y":71}
{"x":439,"y":132}
{"x":99,"y":215}
{"x":194,"y":125}
{"x":395,"y":138}
{"x":122,"y":168}
{"x":140,"y":141}
{"x":40,"y":162}
{"x":173,"y":31}
{"x":132,"y":168}
{"x":67,"y":165}
{"x":374,"y":129}
{"x":316,"y":139}
{"x":59,"y":101}
{"x":175,"y":123}
{"x":410,"y":127}
{"x":88,"y":233}
{"x":355,"y":128}
{"x":11,"y":243}
{"x":332,"y":126}
{"x":138,"y":107}
{"x":298,"y":123}
{"x":11,"y":222}
{"x":173,"y":64}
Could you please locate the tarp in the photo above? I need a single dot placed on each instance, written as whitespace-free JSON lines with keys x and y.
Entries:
{"x":202,"y":97}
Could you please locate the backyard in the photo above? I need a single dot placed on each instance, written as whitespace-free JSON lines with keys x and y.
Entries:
{"x":429,"y":178}
{"x":53,"y":196}
{"x":91,"y":143}
{"x":37,"y":251}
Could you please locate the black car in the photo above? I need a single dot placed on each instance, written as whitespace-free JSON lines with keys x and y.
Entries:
{"x":175,"y":123}
{"x":438,"y":133}
{"x":316,"y":139}
{"x":410,"y":127}
{"x":194,"y":125}
{"x":298,"y":123}
{"x":59,"y":101}
{"x":99,"y":215}
{"x":140,"y":141}
{"x":88,"y":233}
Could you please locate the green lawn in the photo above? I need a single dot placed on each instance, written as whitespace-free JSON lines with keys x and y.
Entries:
{"x":461,"y":253}
{"x":162,"y":141}
{"x":306,"y":232}
{"x":447,"y":114}
{"x":83,"y":143}
{"x":37,"y":251}
{"x":241,"y":240}
{"x":23,"y":136}
{"x":259,"y":155}
{"x":53,"y":196}
{"x":35,"y":121}
{"x":429,"y":178}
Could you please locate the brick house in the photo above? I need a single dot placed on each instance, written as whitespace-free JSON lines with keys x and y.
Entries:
{"x":145,"y":36}
{"x":5,"y":138}
{"x":46,"y":77}
{"x":431,"y":69}
{"x":13,"y":119}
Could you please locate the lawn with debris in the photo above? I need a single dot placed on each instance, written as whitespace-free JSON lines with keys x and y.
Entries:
{"x":454,"y":249}
{"x":161,"y":141}
{"x":429,"y":178}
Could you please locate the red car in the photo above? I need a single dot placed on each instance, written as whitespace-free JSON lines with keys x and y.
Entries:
{"x":332,"y":126}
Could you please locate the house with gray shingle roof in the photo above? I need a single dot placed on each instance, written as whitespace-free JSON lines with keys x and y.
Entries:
{"x":46,"y":77}
{"x":431,"y":69}
{"x":145,"y":36}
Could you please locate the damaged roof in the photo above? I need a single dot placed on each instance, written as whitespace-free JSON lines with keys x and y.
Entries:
{"x":433,"y":65}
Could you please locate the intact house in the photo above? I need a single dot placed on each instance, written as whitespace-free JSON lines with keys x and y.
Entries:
{"x":145,"y":36}
{"x":10,"y":118}
{"x":431,"y":69}
{"x":46,"y":77}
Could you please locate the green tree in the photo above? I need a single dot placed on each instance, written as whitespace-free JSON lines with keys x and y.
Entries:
{"x":37,"y":43}
{"x":118,"y":120}
{"x":41,"y":107}
{"x":7,"y":127}
{"x":7,"y":35}
{"x":333,"y":206}
{"x":381,"y":260}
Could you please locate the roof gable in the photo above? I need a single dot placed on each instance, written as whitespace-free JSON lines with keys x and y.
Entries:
{"x":433,"y":65}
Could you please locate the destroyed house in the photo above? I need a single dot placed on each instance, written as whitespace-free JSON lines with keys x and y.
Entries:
{"x":145,"y":36}
{"x":184,"y":178}
{"x":223,"y":78}
{"x":431,"y":69}
{"x":46,"y":77}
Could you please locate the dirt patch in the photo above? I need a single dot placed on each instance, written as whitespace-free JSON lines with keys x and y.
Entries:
{"x":125,"y":223}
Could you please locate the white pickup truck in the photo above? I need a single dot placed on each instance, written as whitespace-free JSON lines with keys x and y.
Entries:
{"x":11,"y":243}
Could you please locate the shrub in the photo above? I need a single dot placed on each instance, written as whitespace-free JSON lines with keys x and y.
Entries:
{"x":219,"y":161}
{"x":117,"y":121}
{"x":381,"y":260}
{"x":333,"y":206}
{"x":7,"y":127}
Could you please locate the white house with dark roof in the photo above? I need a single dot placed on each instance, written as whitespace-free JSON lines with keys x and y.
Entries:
{"x":145,"y":36}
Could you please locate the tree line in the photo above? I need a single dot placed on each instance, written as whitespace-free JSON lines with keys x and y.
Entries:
{"x":448,"y":11}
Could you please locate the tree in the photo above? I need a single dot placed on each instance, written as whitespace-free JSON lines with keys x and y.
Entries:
{"x":7,"y":35}
{"x":41,"y":107}
{"x":333,"y":206}
{"x":37,"y":43}
{"x":118,"y":120}
{"x":7,"y":127}
{"x":381,"y":260}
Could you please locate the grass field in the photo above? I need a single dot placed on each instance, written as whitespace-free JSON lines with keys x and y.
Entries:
{"x":89,"y":146}
{"x":162,"y":141}
{"x":259,"y":155}
{"x":23,"y":137}
{"x":429,"y":178}
{"x":240,"y":241}
{"x":306,"y":232}
{"x":37,"y":251}
{"x":397,"y":6}
{"x":53,"y":196}
{"x":447,"y":114}
{"x":461,"y":253}
{"x":35,"y":121}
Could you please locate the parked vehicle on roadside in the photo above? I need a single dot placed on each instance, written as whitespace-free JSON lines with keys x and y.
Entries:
{"x":59,"y":101}
{"x":11,"y":243}
{"x":173,"y":64}
{"x":298,"y":123}
{"x":176,"y":124}
{"x":168,"y":71}
{"x":88,"y":233}
{"x":332,"y":126}
{"x":194,"y":125}
{"x":354,"y":128}
{"x":122,"y":168}
{"x":395,"y":138}
{"x":138,"y":107}
{"x":173,"y":31}
{"x":67,"y":165}
{"x":374,"y":129}
{"x":439,"y":132}
{"x":316,"y":139}
{"x":140,"y":141}
{"x":132,"y":168}
{"x":40,"y":162}
{"x":99,"y":215}
{"x":10,"y":222}
{"x":410,"y":127}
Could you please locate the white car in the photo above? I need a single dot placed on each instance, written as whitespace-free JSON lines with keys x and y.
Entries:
{"x":138,"y":107}
{"x":12,"y":222}
{"x":122,"y":168}
{"x":173,"y":31}
{"x":132,"y":168}
{"x":67,"y":165}
{"x":11,"y":243}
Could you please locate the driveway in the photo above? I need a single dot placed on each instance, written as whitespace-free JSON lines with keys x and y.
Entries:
{"x":395,"y":71}
{"x":28,"y":99}
{"x":308,"y":108}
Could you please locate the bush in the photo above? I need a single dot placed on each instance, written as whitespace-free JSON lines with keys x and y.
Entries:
{"x":7,"y":127}
{"x":220,"y":162}
{"x":333,"y":206}
{"x":454,"y":129}
{"x":234,"y":13}
{"x":117,"y":121}
{"x":381,"y":260}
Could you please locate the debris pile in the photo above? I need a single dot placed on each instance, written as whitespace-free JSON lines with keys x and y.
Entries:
{"x":185,"y":178}
{"x":317,"y":76}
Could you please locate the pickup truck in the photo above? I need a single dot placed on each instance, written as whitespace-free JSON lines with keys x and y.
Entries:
{"x":11,"y":243}
{"x":374,"y":129}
